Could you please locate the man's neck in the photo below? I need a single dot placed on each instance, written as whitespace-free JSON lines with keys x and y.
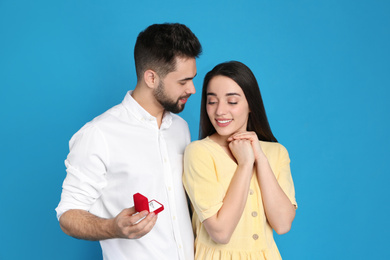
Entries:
{"x":145,"y":98}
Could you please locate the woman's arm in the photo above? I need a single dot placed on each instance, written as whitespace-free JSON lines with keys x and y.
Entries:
{"x":279,"y":210}
{"x":221,"y":226}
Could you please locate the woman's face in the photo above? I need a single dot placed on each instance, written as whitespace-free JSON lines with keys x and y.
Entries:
{"x":226,"y":106}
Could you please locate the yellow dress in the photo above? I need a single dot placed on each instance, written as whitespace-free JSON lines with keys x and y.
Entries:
{"x":208,"y":171}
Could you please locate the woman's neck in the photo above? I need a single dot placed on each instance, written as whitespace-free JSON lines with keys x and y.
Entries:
{"x":221,"y":140}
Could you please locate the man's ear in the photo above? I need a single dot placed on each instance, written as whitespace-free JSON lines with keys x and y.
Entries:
{"x":151,"y":78}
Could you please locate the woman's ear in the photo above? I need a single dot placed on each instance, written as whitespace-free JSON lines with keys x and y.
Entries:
{"x":151,"y":78}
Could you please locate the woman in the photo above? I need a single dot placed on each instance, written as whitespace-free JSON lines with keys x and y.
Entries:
{"x":240,"y":188}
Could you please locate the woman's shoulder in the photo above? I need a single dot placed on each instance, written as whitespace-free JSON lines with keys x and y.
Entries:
{"x":197,"y":145}
{"x":273,"y":148}
{"x":202,"y":147}
{"x":272,"y":145}
{"x":200,"y":143}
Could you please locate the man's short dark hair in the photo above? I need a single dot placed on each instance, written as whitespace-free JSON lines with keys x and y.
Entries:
{"x":158,"y":46}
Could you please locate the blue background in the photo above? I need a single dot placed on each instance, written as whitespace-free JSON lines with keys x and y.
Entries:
{"x":323,"y":69}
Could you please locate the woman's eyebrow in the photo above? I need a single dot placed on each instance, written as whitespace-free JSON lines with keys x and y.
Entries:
{"x":233,"y":94}
{"x":227,"y":94}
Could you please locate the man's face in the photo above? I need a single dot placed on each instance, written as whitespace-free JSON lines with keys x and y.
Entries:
{"x":173,"y":91}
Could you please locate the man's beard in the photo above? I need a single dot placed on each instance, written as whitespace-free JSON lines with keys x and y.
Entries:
{"x":166,"y":102}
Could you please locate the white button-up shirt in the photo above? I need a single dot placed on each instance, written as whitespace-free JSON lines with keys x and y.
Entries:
{"x":122,"y":152}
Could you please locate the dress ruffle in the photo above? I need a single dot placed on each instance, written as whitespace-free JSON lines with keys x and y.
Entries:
{"x":204,"y":252}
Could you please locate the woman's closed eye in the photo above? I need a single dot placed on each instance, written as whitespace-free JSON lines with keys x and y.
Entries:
{"x":212,"y":101}
{"x":232,"y":101}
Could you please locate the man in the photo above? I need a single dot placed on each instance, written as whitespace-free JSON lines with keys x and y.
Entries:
{"x":137,"y":147}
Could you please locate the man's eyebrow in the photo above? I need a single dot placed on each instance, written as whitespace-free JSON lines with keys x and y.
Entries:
{"x":189,"y":78}
{"x":211,"y":94}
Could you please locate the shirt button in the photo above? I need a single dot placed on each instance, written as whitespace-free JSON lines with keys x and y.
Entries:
{"x":254,"y":214}
{"x":169,"y":188}
{"x":255,"y":236}
{"x":174,"y":218}
{"x":165,"y":160}
{"x":251,"y":192}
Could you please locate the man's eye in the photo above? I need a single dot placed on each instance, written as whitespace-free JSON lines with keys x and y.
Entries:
{"x":211,"y":102}
{"x":233,"y":103}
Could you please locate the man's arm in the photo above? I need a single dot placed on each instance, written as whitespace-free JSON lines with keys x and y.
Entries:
{"x":83,"y":225}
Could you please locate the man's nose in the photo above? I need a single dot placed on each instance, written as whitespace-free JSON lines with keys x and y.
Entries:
{"x":191,"y":88}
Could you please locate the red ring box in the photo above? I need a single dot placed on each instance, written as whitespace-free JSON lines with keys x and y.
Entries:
{"x":141,"y":203}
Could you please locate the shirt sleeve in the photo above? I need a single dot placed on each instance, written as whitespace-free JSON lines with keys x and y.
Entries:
{"x":201,"y":181}
{"x":284,"y":176}
{"x":86,"y":170}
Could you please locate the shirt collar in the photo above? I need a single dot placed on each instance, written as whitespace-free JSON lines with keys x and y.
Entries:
{"x":142,"y":115}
